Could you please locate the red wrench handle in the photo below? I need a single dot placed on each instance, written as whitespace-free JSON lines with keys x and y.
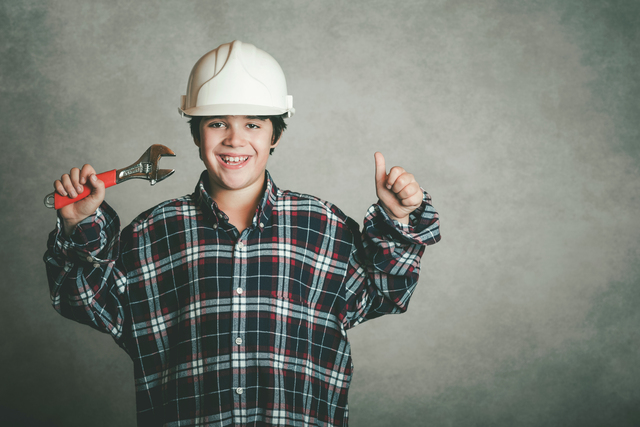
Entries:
{"x":109,"y":179}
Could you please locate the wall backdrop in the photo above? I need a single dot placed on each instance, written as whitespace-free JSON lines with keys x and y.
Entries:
{"x":519,"y":117}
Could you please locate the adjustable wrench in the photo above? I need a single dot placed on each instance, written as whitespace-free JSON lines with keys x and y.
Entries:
{"x":145,"y":168}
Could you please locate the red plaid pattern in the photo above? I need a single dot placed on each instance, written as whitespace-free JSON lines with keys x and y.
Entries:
{"x":238,"y":328}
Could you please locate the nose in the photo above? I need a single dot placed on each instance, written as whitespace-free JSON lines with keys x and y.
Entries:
{"x":234,"y":137}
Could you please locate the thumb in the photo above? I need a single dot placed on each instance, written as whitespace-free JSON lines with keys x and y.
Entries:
{"x":381,"y":171}
{"x":97,"y":187}
{"x":95,"y":198}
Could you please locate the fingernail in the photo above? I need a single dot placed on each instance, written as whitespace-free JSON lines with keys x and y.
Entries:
{"x":94,"y":178}
{"x":79,"y":188}
{"x":388,"y":187}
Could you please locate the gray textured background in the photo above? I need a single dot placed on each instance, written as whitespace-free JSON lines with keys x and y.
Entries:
{"x":519,"y":117}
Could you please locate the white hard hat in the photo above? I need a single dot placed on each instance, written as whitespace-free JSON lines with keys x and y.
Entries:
{"x":236,"y":79}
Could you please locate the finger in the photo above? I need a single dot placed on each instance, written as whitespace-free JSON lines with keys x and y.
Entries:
{"x":75,"y":179}
{"x":415,"y":200}
{"x":394,"y":174}
{"x":89,"y":204}
{"x":408,"y":191}
{"x":402,"y":181}
{"x":68,"y":186}
{"x":381,"y":171}
{"x":97,"y":188}
{"x":85,"y":173}
{"x":59,"y":188}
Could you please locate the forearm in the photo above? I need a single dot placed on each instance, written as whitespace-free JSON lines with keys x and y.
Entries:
{"x":85,"y":282}
{"x":384,"y":270}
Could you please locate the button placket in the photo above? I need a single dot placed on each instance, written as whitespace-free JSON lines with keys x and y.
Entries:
{"x":239,"y":306}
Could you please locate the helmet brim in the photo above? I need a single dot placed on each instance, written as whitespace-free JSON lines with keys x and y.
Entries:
{"x":236,"y":110}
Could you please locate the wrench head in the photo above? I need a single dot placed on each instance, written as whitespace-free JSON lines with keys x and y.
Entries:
{"x":157,"y":151}
{"x":147,"y":166}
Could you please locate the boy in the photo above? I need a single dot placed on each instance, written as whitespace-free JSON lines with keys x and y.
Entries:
{"x":233,"y":302}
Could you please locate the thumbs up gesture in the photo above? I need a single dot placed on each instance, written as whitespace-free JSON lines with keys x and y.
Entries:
{"x":398,"y":191}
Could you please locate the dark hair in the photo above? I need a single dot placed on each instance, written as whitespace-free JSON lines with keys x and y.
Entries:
{"x":277,"y":122}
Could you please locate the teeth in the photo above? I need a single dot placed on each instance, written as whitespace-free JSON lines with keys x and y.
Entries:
{"x":229,"y":159}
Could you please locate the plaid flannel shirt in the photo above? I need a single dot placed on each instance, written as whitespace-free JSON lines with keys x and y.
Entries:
{"x":238,"y":328}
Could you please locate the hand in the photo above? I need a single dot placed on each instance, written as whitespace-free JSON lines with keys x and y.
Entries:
{"x":399,"y":193}
{"x":70,"y":185}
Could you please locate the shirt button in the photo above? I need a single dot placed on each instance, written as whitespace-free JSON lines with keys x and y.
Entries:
{"x":96,"y":265}
{"x":261,"y":225}
{"x":89,"y":258}
{"x":219,"y":214}
{"x":238,"y":340}
{"x":215,"y":226}
{"x":240,"y":245}
{"x":239,"y":290}
{"x":239,"y":390}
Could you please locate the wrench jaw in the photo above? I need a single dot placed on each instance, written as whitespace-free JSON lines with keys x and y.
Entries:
{"x":155,"y":153}
{"x":162,"y":174}
{"x":147,"y":166}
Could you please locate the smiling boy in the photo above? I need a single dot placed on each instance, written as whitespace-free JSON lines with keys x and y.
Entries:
{"x":234,"y":302}
{"x":235,"y":150}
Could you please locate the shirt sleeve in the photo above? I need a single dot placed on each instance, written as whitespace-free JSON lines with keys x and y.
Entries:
{"x":85,"y":281}
{"x":384,"y":265}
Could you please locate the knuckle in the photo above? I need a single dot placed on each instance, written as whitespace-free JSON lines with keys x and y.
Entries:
{"x":403,"y":180}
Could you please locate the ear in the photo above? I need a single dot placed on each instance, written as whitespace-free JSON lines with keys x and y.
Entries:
{"x":274,"y":144}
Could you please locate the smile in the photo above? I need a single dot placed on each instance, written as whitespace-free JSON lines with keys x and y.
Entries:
{"x":233,"y":161}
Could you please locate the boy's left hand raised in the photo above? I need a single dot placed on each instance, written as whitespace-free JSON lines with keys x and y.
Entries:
{"x":399,"y":193}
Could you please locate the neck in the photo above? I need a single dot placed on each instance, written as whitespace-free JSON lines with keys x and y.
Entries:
{"x":239,"y":205}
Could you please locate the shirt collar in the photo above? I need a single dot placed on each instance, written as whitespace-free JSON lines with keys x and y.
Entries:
{"x":210,"y":207}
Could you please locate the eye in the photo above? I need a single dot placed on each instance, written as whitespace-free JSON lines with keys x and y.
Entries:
{"x":216,"y":125}
{"x":253,"y":126}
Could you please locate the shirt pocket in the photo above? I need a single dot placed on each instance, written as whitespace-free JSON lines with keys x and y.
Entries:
{"x":289,"y":328}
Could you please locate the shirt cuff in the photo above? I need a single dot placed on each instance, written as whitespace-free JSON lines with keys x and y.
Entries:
{"x":93,"y":240}
{"x":423,"y":227}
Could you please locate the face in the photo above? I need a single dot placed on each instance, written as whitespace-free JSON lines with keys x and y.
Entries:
{"x":235,"y":150}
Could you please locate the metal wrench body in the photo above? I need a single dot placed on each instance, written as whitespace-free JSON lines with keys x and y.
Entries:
{"x":145,"y":168}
